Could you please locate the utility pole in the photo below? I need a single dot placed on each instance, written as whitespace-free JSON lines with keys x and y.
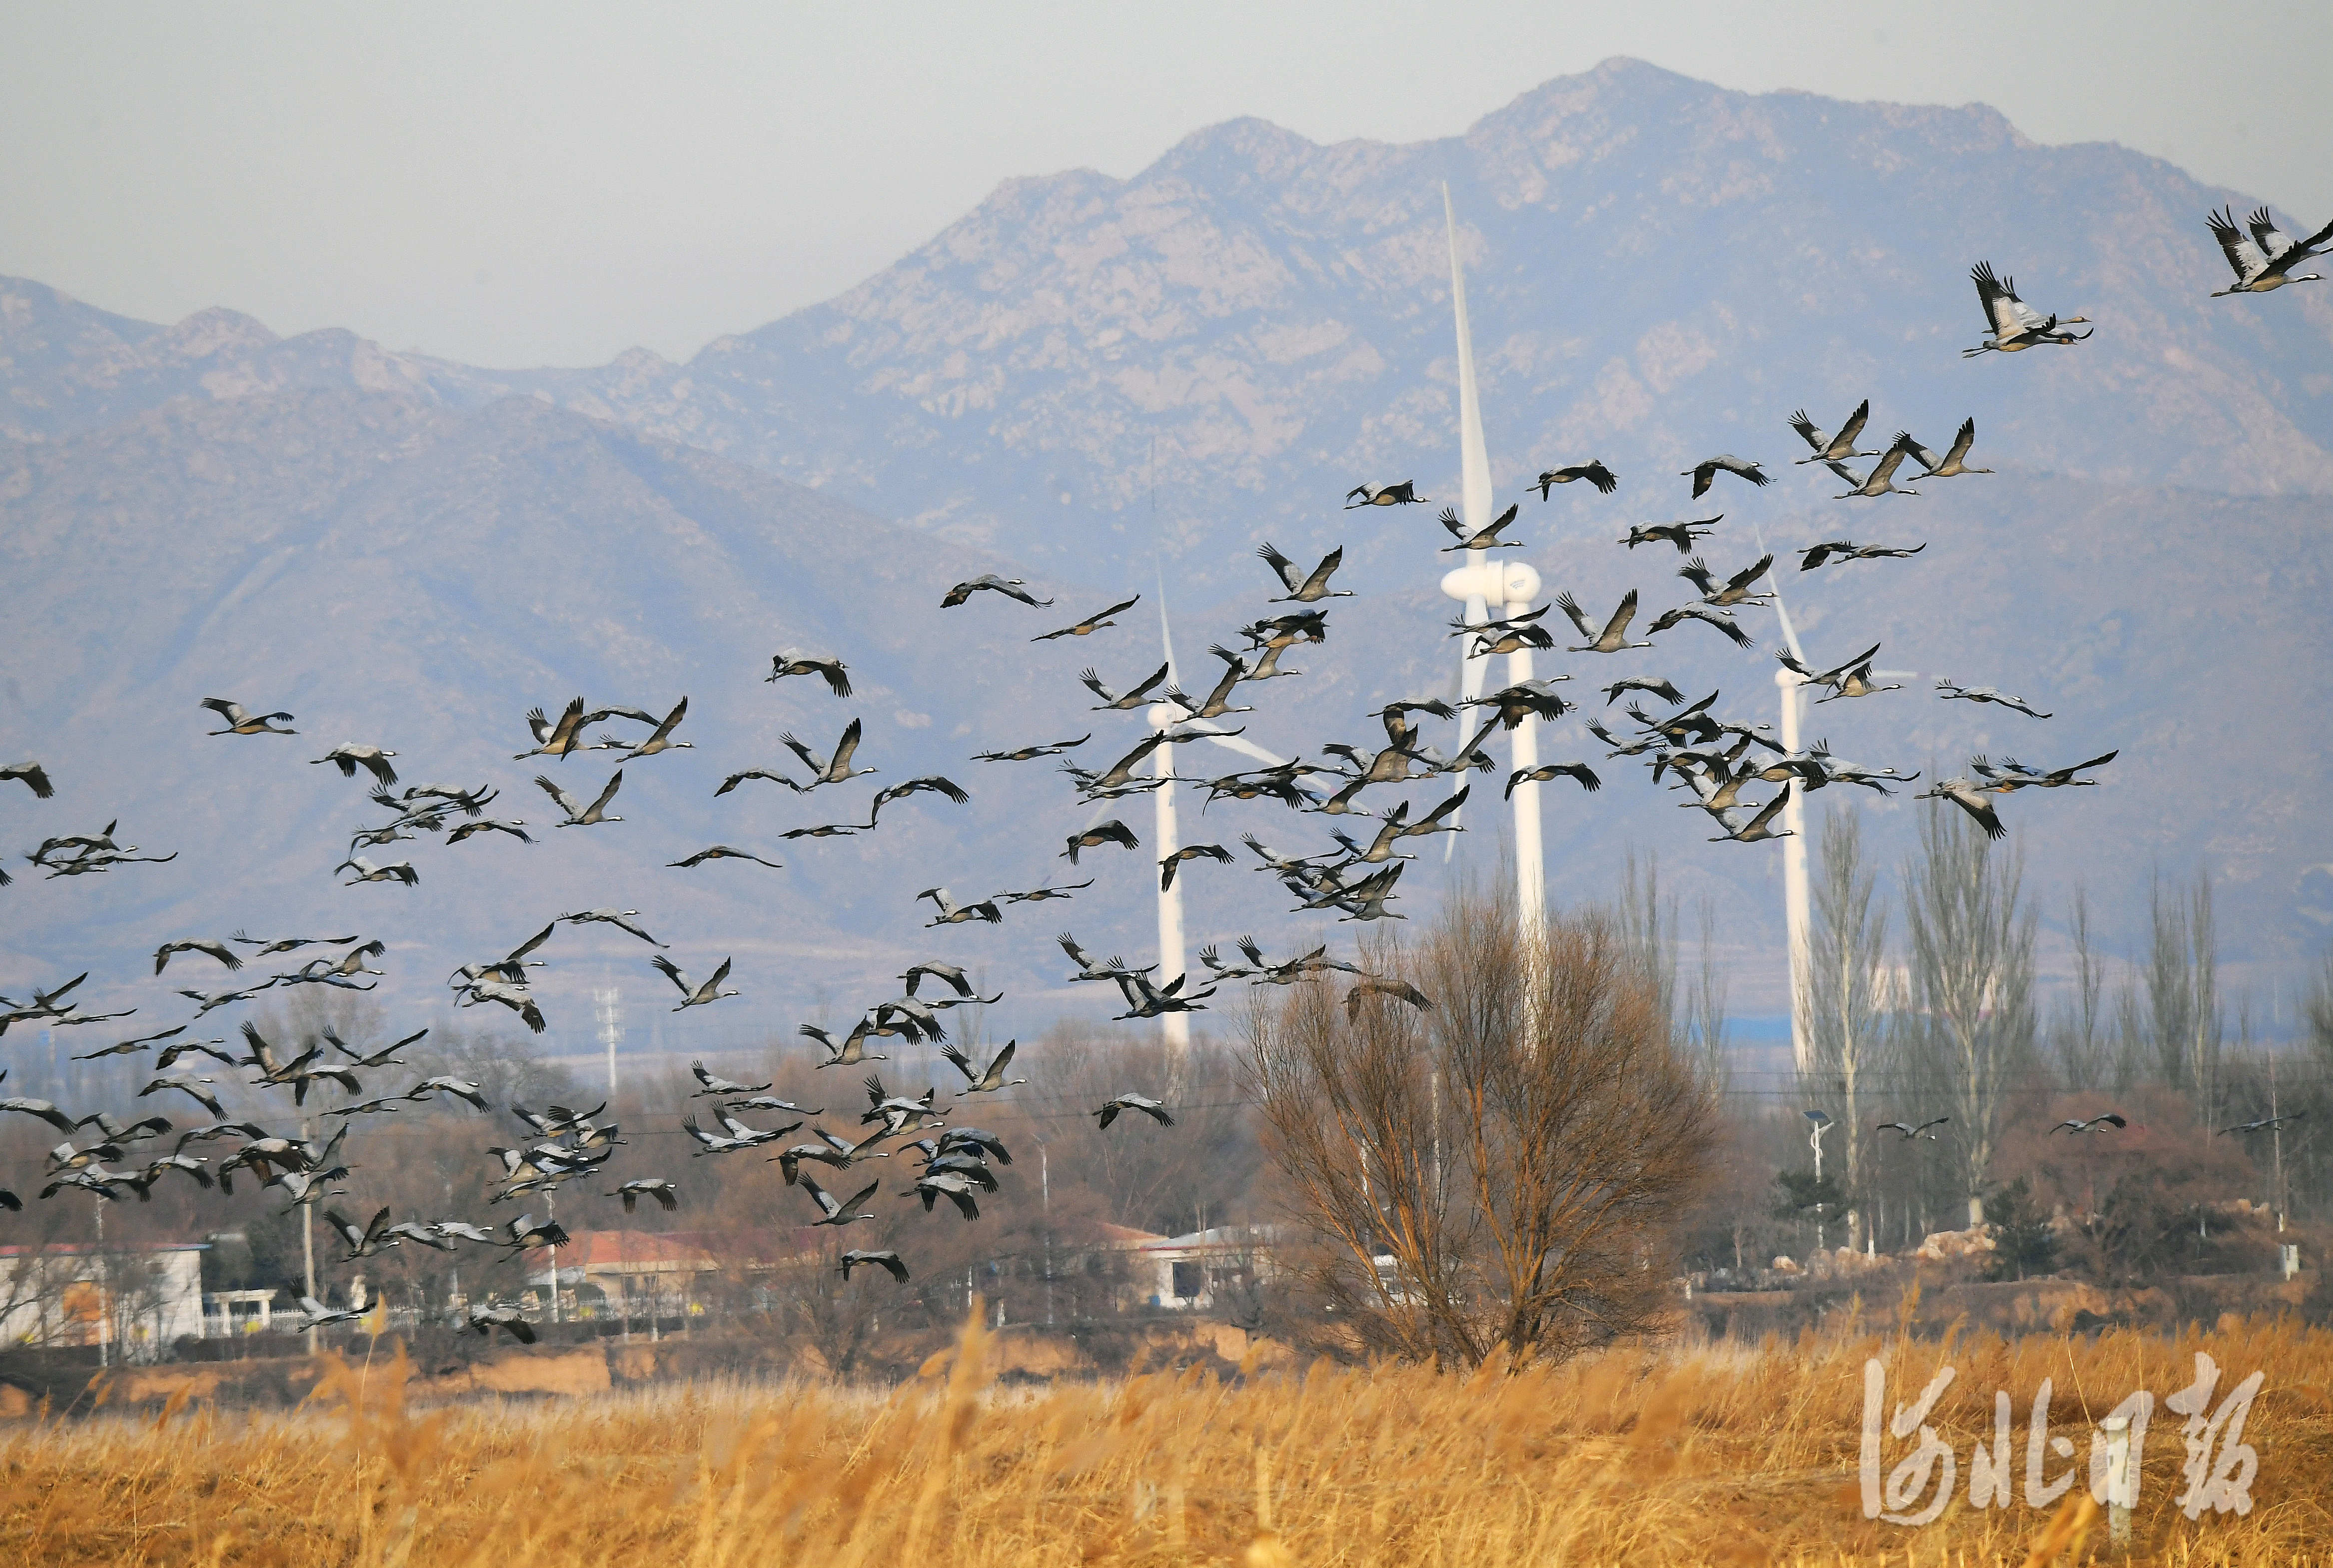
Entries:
{"x":2276,"y":1139}
{"x":104,"y":1307}
{"x":611,"y":1006}
{"x":308,"y":1248}
{"x":1045,"y":1186}
{"x":1814,"y":1142}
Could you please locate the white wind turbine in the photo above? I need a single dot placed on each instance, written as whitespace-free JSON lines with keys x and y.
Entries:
{"x":1796,"y":909}
{"x":1511,"y":585}
{"x":1165,"y":836}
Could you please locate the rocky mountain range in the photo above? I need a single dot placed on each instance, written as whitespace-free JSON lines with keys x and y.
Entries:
{"x":1109,"y":385}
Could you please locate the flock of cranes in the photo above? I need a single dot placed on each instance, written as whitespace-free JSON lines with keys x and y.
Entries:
{"x":1688,"y":746}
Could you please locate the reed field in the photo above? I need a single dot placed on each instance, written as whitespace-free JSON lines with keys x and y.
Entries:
{"x":1724,"y":1453}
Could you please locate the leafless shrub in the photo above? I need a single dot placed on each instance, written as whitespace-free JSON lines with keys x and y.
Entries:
{"x":1497,"y":1173}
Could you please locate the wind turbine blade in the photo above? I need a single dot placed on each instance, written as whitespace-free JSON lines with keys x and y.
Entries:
{"x":1474,"y":456}
{"x":1471,"y":668}
{"x":1782,"y":610}
{"x":1475,"y":487}
{"x":1221,"y":737}
{"x":1244,"y":747}
{"x":1166,"y":637}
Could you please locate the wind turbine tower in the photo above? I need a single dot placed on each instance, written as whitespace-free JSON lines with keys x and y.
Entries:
{"x":1511,"y":586}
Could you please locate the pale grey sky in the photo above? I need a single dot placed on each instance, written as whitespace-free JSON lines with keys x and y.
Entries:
{"x":550,"y":184}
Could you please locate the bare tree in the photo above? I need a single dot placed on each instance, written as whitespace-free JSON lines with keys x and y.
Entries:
{"x":1497,"y":1173}
{"x":1972,"y":951}
{"x":2075,"y":1033}
{"x":2183,"y":992}
{"x":1839,"y":1001}
{"x":1648,"y":926}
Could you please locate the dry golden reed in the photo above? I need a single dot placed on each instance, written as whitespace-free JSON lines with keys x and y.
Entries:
{"x":1723,"y":1454}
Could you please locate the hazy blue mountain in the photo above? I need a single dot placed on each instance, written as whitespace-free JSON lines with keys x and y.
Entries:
{"x":418,"y":577}
{"x":1224,"y":344}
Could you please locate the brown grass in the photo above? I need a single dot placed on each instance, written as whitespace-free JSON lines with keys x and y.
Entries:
{"x":1728,"y":1453}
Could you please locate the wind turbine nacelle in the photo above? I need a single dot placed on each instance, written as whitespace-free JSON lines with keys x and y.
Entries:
{"x":1504,"y":582}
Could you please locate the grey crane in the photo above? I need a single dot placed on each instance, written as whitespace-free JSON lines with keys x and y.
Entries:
{"x":2014,"y":325}
{"x":1131,"y":700}
{"x":833,"y":769}
{"x":1380,"y":986}
{"x":1760,"y":828}
{"x":2012,"y":775}
{"x":1708,"y":616}
{"x":988,"y":1079}
{"x":590,"y":816}
{"x":487,"y":1316}
{"x":1614,"y":638}
{"x":1131,"y":1102}
{"x":831,"y":1212}
{"x":1662,"y":689}
{"x":930,"y":784}
{"x":1088,"y":969}
{"x":1908,"y":1132}
{"x":1855,"y":672}
{"x":2092,"y":1123}
{"x":350,"y":755}
{"x":794,"y":662}
{"x":1111,"y":832}
{"x":446,"y":1084}
{"x":850,"y":1051}
{"x":714,"y":1085}
{"x":1880,"y":481}
{"x":1684,"y":535}
{"x":190,"y":1087}
{"x":515,"y":826}
{"x":217,"y":950}
{"x":1953,"y":464}
{"x":1951,"y":690}
{"x":1305,"y":588}
{"x":366,"y":871}
{"x":1483,"y":538}
{"x":1594,"y":471}
{"x":1705,"y":472}
{"x":1168,"y":866}
{"x":289,"y":943}
{"x":318,"y":1315}
{"x":32,"y":776}
{"x":693,"y":995}
{"x":360,"y":1242}
{"x":1011,"y":587}
{"x":1545,"y":771}
{"x":723,"y":852}
{"x":1513,"y":703}
{"x":621,"y":919}
{"x":240,"y":720}
{"x":660,"y":738}
{"x":2264,"y":260}
{"x":1402,"y":494}
{"x":953,"y":1185}
{"x":2265,"y":1125}
{"x":1813,"y":556}
{"x":667,"y":1197}
{"x":951,"y":913}
{"x":886,"y":1260}
{"x":1031,"y":753}
{"x":513,"y":996}
{"x":1736,"y":589}
{"x":1091,"y":623}
{"x":1216,"y":703}
{"x":1970,"y":796}
{"x":1829,"y":448}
